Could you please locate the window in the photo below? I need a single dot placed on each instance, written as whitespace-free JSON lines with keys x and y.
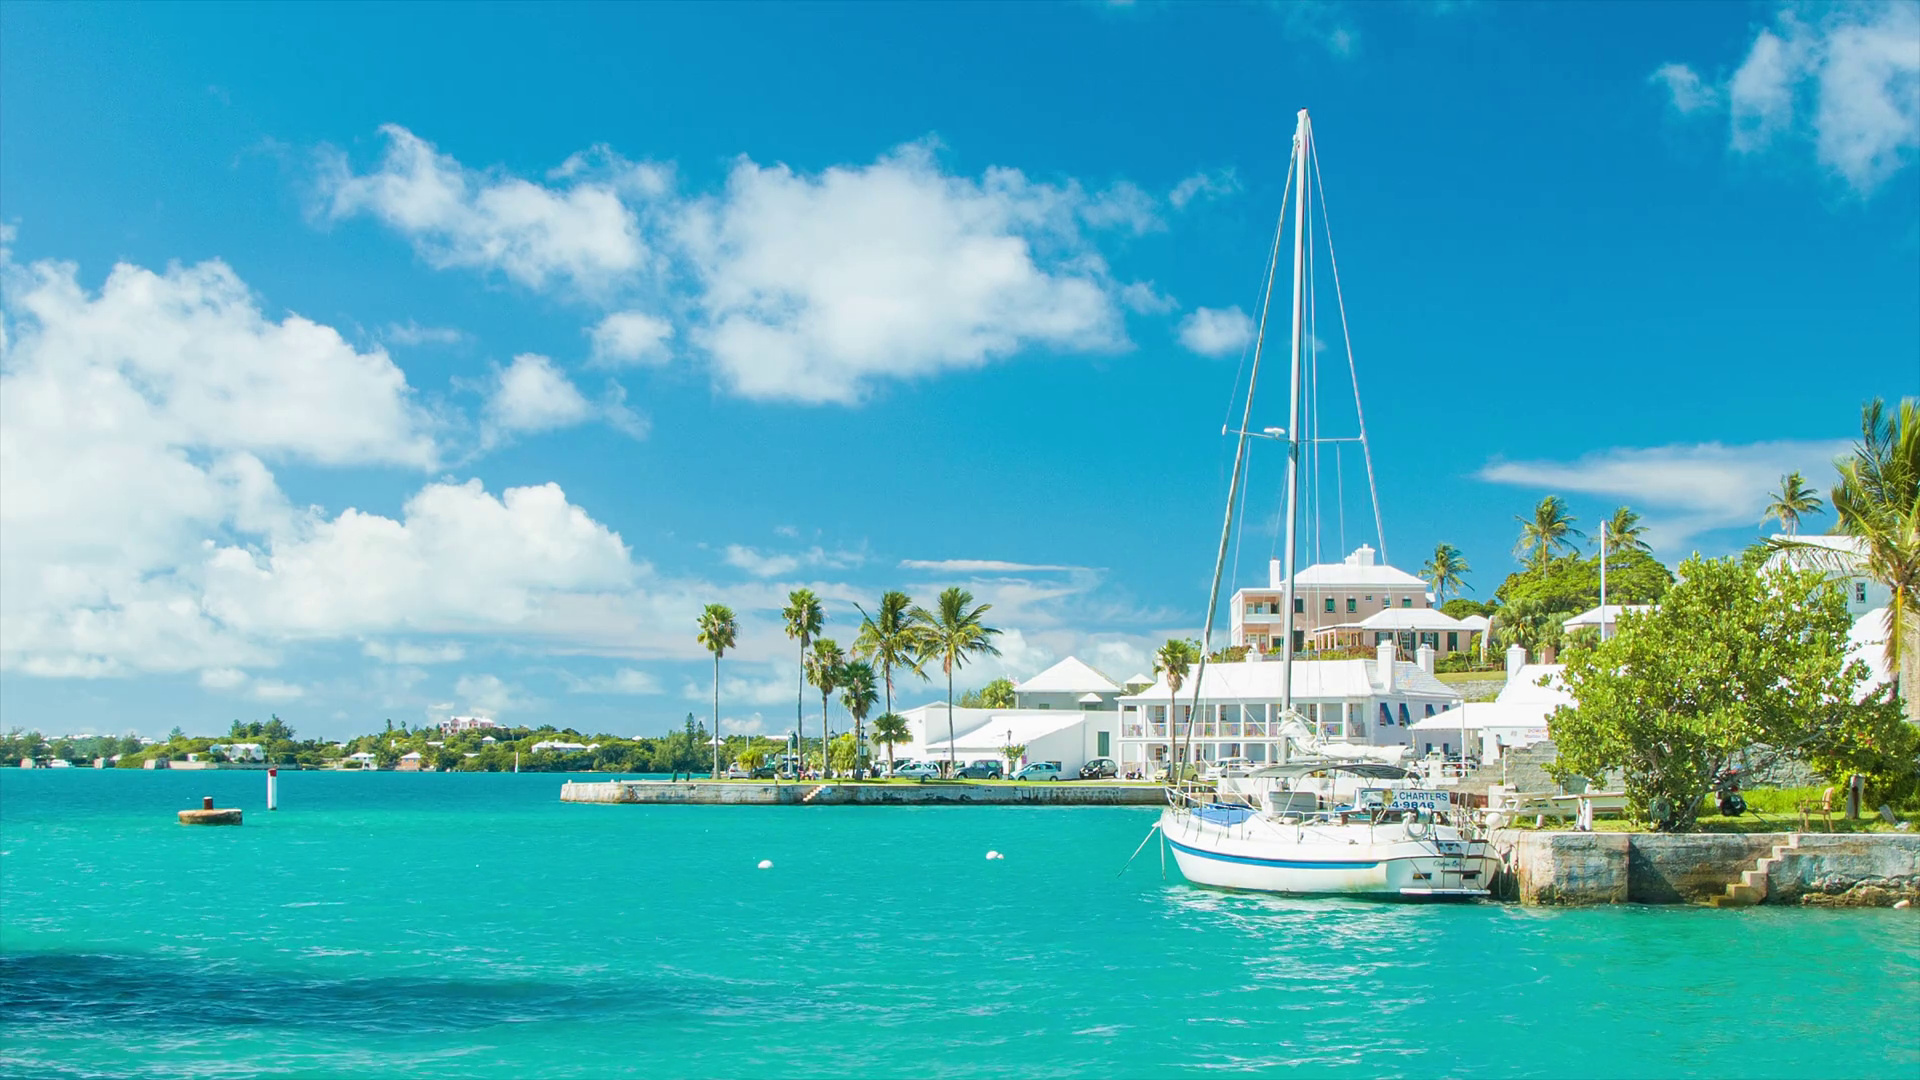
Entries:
{"x":1045,"y":706}
{"x":1860,"y":592}
{"x":1299,"y":605}
{"x":1453,"y":640}
{"x":1406,"y":719}
{"x":1299,"y":640}
{"x":1429,"y":710}
{"x":1386,"y":715}
{"x":1351,"y":606}
{"x":1386,"y":601}
{"x":1329,"y":605}
{"x":1100,"y":744}
{"x":1405,"y":601}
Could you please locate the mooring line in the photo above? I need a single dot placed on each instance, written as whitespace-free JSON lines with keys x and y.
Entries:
{"x":1143,"y":847}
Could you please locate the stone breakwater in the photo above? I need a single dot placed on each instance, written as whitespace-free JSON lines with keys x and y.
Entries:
{"x":1810,"y":869}
{"x":697,"y":792}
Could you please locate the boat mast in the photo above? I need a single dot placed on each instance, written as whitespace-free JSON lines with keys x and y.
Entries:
{"x":1302,"y":146}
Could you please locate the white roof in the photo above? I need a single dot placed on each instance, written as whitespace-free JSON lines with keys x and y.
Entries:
{"x":1525,"y":689}
{"x":1409,"y":619}
{"x":1475,"y":623}
{"x":1850,"y":548}
{"x":1259,"y":680}
{"x":1357,"y":569}
{"x":1069,"y":676}
{"x":1592,"y":616}
{"x":414,"y":756}
{"x":1482,"y":715}
{"x":1001,"y":727}
{"x":1091,"y":699}
{"x":1139,"y":680}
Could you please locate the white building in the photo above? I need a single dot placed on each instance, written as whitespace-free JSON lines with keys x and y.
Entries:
{"x":1845,"y":564}
{"x":561,"y":747}
{"x":1325,"y":594}
{"x":240,"y":751}
{"x":1406,"y":628}
{"x":1069,"y":684}
{"x":454,"y":724}
{"x":1066,"y":713}
{"x":1361,"y":701}
{"x":1518,"y":717}
{"x":1605,"y":618}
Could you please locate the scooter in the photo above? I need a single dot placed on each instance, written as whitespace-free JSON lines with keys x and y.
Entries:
{"x":1726,"y":792}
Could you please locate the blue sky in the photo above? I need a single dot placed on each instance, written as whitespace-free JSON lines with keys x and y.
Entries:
{"x":369,"y":362}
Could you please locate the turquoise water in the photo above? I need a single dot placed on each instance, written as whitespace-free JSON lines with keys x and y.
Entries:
{"x":470,"y":925}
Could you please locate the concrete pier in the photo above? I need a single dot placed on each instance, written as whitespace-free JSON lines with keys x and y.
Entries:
{"x":207,"y":815}
{"x":835,"y":793}
{"x":1825,"y":869}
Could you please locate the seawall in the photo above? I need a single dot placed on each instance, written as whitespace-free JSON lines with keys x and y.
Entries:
{"x":1846,"y":869}
{"x":733,"y":793}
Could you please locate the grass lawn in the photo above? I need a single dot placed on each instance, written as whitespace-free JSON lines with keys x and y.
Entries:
{"x":1770,"y":810}
{"x":1455,"y":677}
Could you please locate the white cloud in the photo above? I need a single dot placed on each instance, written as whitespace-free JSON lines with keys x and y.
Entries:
{"x":1141,"y":298}
{"x":1122,"y":206}
{"x":412,"y":333}
{"x":581,"y":232}
{"x":1682,"y":490}
{"x":135,"y":427}
{"x":491,"y":697}
{"x":403,"y":652}
{"x":631,"y":337}
{"x":1213,"y":332}
{"x":623,"y":681}
{"x":748,"y":725}
{"x":1687,"y":91}
{"x":1207,"y":185}
{"x":816,"y":286}
{"x":222,"y":678}
{"x":771,"y":564}
{"x":274,"y":690}
{"x":979,"y":566}
{"x":1322,"y":22}
{"x":1845,"y":77}
{"x":533,"y":395}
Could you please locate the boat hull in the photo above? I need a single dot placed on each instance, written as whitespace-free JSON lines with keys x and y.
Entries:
{"x":1337,"y":860}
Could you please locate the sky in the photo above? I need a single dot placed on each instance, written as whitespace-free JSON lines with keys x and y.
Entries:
{"x":370,"y":362}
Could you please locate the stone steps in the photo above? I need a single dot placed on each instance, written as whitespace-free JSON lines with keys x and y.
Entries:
{"x":1752,"y":889}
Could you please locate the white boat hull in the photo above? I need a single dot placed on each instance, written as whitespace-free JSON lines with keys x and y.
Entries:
{"x":1388,"y":860}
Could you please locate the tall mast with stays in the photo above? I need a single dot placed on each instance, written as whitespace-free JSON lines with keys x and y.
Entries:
{"x":1302,"y":145}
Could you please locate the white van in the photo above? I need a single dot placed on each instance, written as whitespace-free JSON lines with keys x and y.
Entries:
{"x":1232,"y":766}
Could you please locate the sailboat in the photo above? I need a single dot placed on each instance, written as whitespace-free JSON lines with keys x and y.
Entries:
{"x":1351,"y":822}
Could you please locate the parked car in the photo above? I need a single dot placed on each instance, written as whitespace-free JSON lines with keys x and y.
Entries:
{"x":1233,"y":766}
{"x":919,"y":770}
{"x":981,"y":770}
{"x":1100,"y":768}
{"x":1039,"y":770}
{"x":1186,"y":773}
{"x":737,"y":771}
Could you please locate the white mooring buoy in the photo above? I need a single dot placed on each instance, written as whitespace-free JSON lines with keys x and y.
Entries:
{"x":995,"y":855}
{"x":766,"y":864}
{"x":273,"y":793}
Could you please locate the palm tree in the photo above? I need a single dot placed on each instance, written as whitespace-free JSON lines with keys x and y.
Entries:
{"x":718,"y":631}
{"x":954,"y":636}
{"x":1792,"y":501}
{"x":1547,"y":533}
{"x":1446,"y":571}
{"x":858,"y":692}
{"x":891,"y":638}
{"x":1877,"y":502}
{"x":823,"y":671}
{"x":1623,"y":530}
{"x":804,"y":619}
{"x":1175,"y":659}
{"x":889,"y":730}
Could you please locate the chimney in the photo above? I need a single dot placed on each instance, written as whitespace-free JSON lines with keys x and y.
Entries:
{"x":1516,"y":659}
{"x":1424,"y":657}
{"x":1275,"y":578}
{"x":1384,"y":654}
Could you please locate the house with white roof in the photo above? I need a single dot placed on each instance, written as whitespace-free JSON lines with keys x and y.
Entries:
{"x":1373,"y":702}
{"x":1844,"y":558}
{"x":1604,"y":618}
{"x":454,"y":724}
{"x":1408,"y":629}
{"x":1518,"y":717}
{"x":1069,"y":684}
{"x":1325,"y":594}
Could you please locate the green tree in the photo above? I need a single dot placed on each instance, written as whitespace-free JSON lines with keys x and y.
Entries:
{"x":1460,"y":607}
{"x":718,"y":632}
{"x":1533,"y":602}
{"x":1547,"y":533}
{"x":890,"y":730}
{"x":858,"y":692}
{"x":1623,"y":532}
{"x":1732,"y":658}
{"x":823,"y":671}
{"x":955,"y":635}
{"x":1793,"y":501}
{"x":1013,"y":752}
{"x":1877,"y":502}
{"x":1446,"y":570}
{"x":804,"y":620}
{"x":890,"y":638}
{"x":997,"y":694}
{"x":1174,"y":660}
